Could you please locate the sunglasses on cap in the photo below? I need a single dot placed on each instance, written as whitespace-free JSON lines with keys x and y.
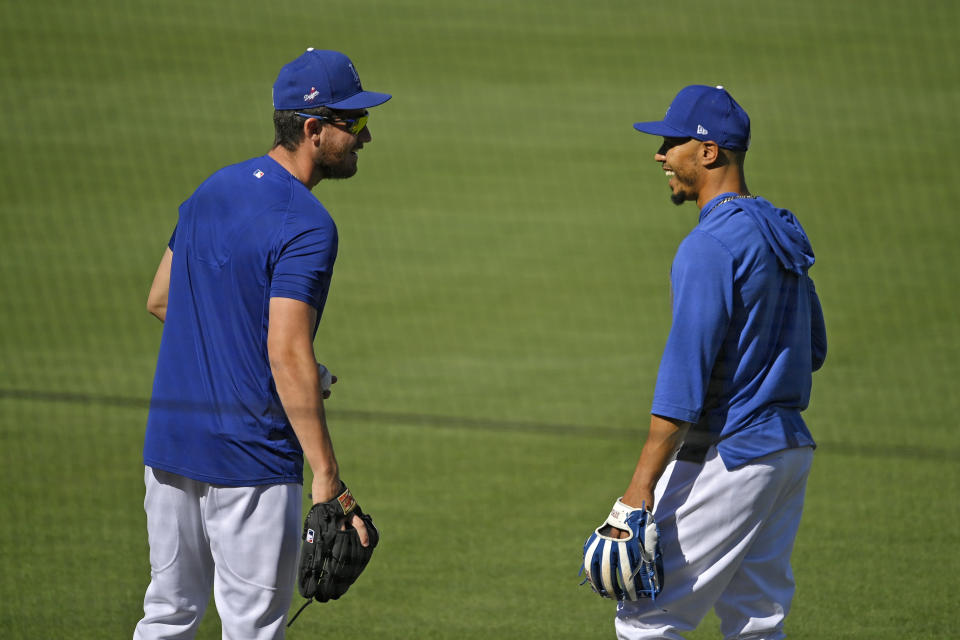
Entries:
{"x":353,"y":125}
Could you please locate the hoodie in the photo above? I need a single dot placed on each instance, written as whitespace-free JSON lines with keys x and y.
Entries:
{"x":747,"y":331}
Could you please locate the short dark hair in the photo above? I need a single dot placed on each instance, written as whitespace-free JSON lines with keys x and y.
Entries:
{"x":738,"y":156}
{"x":288,"y":126}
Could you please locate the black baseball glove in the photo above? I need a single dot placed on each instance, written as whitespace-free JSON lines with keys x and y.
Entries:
{"x":331,"y":558}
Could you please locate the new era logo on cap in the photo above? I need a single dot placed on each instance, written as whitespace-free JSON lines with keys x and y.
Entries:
{"x":704,"y":113}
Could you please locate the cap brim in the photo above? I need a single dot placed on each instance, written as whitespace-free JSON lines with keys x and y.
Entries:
{"x":659,"y":128}
{"x":362,"y":100}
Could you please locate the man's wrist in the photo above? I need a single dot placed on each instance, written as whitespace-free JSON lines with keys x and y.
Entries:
{"x":326,"y":488}
{"x":638,"y":498}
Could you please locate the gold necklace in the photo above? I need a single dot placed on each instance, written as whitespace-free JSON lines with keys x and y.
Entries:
{"x":728,"y":199}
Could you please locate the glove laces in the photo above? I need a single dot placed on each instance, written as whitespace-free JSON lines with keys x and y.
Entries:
{"x":299,"y":611}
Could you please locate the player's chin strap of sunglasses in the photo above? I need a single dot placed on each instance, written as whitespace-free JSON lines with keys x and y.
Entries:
{"x":354,"y":125}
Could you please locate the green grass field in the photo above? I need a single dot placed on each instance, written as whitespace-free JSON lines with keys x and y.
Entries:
{"x":501,"y":295}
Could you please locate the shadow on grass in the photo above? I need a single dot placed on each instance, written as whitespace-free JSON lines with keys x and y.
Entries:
{"x":860,"y":449}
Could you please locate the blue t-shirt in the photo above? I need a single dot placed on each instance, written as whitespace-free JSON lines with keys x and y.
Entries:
{"x":250,"y":232}
{"x":747,"y":331}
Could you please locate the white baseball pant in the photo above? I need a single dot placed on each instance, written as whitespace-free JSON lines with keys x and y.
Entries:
{"x":241,"y":542}
{"x":726,"y":538}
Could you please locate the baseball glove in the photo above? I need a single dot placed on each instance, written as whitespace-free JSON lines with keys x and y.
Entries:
{"x":332,"y":559}
{"x":628,"y":568}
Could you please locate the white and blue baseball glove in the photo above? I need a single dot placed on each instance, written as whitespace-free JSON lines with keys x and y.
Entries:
{"x":627,"y":568}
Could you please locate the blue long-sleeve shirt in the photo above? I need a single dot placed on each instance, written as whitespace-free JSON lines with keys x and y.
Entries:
{"x":747,"y":331}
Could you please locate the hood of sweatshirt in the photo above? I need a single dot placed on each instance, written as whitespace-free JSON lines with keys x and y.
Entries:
{"x":782,"y":231}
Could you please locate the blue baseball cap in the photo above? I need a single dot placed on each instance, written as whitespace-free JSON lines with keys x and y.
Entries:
{"x":704,"y":113}
{"x":322,"y":79}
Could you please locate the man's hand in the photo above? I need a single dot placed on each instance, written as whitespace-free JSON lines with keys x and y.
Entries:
{"x":361,"y":526}
{"x":613,"y":532}
{"x":326,"y":490}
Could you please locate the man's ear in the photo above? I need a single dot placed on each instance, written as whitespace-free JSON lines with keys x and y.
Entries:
{"x":311,"y":130}
{"x":709,"y":153}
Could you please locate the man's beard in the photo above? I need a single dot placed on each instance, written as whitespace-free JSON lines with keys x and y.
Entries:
{"x":337,"y":166}
{"x":685,"y":191}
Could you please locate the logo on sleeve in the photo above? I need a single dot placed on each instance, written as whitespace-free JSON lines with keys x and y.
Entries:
{"x":258,"y":174}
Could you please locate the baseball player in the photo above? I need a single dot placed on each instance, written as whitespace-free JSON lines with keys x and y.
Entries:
{"x":237,"y":398}
{"x":725,"y":464}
